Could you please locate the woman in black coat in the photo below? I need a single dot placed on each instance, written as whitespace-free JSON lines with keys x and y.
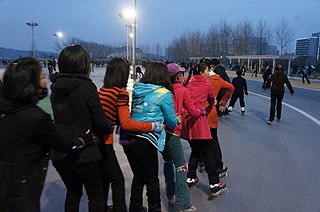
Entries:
{"x":76,"y":106}
{"x":26,"y":134}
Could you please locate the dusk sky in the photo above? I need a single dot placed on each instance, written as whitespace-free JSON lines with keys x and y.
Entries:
{"x":158,"y":21}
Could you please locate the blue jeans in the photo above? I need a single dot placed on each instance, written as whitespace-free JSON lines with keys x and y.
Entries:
{"x":173,"y":155}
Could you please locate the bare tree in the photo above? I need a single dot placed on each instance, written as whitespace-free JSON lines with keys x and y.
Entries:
{"x":242,"y":34}
{"x":224,"y":36}
{"x":195,"y":42}
{"x":284,"y":35}
{"x":264,"y":36}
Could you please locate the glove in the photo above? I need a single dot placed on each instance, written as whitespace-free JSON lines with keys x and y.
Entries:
{"x":202,"y":111}
{"x":87,"y":139}
{"x":157,"y":126}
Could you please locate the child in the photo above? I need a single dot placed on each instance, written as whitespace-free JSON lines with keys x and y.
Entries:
{"x":240,"y":85}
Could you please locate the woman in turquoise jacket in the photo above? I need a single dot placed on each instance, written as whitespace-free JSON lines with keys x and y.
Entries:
{"x":151,"y":102}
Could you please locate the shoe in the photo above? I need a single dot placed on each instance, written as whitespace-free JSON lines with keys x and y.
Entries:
{"x":192,"y":182}
{"x":217,"y":189}
{"x":223,"y":116}
{"x":192,"y":208}
{"x":278,"y":120}
{"x":243,"y":110}
{"x":230,"y":109}
{"x":223,"y":172}
{"x":269,"y":122}
{"x":172,"y":201}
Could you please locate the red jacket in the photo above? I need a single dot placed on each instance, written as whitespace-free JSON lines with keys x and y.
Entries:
{"x":183,"y":104}
{"x":201,"y":93}
{"x":217,"y":83}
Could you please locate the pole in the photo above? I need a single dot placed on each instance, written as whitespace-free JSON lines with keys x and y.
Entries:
{"x":134,"y":40}
{"x":32,"y":25}
{"x":127,"y":37}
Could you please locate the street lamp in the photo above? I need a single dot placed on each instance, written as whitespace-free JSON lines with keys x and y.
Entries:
{"x":58,"y":35}
{"x":128,"y":16}
{"x":131,"y":15}
{"x":33,"y":25}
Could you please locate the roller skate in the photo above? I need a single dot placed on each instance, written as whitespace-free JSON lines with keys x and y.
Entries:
{"x":191,"y":209}
{"x":223,"y":172}
{"x":243,"y":110}
{"x":217,"y":190}
{"x":192,"y":182}
{"x":230,"y":109}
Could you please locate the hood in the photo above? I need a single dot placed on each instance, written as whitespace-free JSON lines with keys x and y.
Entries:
{"x":66,"y":83}
{"x":142,"y":89}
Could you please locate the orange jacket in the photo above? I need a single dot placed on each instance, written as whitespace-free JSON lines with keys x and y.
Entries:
{"x":217,"y":83}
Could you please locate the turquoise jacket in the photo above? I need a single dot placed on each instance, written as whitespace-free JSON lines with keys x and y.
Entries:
{"x":153,"y":103}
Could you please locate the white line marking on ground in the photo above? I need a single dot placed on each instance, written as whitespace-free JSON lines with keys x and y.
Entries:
{"x":294,"y":108}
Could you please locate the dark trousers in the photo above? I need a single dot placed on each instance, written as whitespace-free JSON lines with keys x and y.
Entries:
{"x":305,"y":76}
{"x":203,"y":150}
{"x":74,"y":177}
{"x":143,"y":160}
{"x":276,"y":99}
{"x":264,"y":83}
{"x":216,"y":148}
{"x":235,"y":97}
{"x":112,"y":174}
{"x":21,"y":190}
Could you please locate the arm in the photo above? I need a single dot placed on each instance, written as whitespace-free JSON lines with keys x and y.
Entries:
{"x":229,"y":91}
{"x":129,"y":124}
{"x":100,"y":122}
{"x":245,"y":87}
{"x":46,"y":134}
{"x":268,"y":85}
{"x":168,"y":111}
{"x":211,"y":98}
{"x":189,"y":106}
{"x":289,"y":86}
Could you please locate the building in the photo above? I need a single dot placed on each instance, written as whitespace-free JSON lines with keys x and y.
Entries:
{"x":317,"y":35}
{"x":308,"y":48}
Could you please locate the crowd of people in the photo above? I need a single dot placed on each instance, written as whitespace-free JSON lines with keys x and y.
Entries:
{"x":165,"y":107}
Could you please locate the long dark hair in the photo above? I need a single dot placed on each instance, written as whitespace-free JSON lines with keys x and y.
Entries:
{"x":75,"y":60}
{"x":21,"y":81}
{"x":157,"y":73}
{"x":117,"y":73}
{"x":199,"y":68}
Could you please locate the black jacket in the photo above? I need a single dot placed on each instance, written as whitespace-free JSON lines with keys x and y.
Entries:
{"x":26,"y":133}
{"x":76,"y":108}
{"x":240,"y":86}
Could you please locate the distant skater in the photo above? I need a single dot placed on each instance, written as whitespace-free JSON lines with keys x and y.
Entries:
{"x":240,"y":85}
{"x":276,"y":82}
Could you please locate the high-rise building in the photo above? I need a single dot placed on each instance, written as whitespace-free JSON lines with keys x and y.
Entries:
{"x":308,"y":48}
{"x":317,"y":35}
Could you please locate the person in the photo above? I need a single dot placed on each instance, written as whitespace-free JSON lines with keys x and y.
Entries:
{"x":265,"y":76}
{"x":152,"y":102}
{"x":139,"y":71}
{"x":0,"y":86}
{"x":276,"y":82}
{"x":240,"y":88}
{"x":255,"y":70}
{"x":305,"y":74}
{"x":76,"y":106}
{"x":115,"y":102}
{"x":174,"y":166}
{"x":217,"y":83}
{"x":197,"y":132}
{"x":27,"y":133}
{"x":221,"y":71}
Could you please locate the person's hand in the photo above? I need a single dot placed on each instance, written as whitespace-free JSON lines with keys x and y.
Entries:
{"x":179,"y":118}
{"x":157,"y":126}
{"x":86,"y":139}
{"x":202,"y":111}
{"x":222,"y":107}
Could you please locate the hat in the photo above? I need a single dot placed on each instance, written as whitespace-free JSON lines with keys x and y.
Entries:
{"x":174,"y":69}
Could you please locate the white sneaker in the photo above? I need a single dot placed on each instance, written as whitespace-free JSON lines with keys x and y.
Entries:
{"x":230,"y":109}
{"x":243,"y":109}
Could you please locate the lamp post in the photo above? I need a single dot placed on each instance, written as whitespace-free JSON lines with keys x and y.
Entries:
{"x":134,"y":40}
{"x":32,"y":25}
{"x":58,"y":35}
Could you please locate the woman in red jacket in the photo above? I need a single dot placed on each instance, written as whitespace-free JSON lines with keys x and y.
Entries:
{"x":198,"y":131}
